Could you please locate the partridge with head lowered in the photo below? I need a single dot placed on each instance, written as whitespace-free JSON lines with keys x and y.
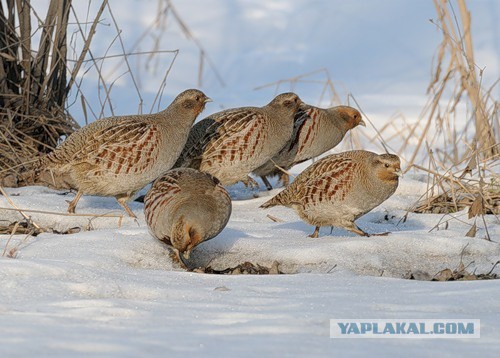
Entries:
{"x":340,"y":188}
{"x":117,"y":156}
{"x":232,"y":143}
{"x":186,"y":207}
{"x":315,"y":131}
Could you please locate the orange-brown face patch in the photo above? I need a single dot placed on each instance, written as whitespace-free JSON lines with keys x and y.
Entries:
{"x":388,"y":174}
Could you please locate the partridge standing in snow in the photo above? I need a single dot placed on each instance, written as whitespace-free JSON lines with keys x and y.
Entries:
{"x":232,"y":143}
{"x":117,"y":156}
{"x":316,"y":130}
{"x":340,"y":188}
{"x":185,"y":207}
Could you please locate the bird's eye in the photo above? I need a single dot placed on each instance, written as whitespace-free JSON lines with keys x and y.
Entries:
{"x":386,"y":165}
{"x":355,"y":116}
{"x":197,"y":98}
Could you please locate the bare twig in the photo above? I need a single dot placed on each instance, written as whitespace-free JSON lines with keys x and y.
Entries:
{"x":22,"y":212}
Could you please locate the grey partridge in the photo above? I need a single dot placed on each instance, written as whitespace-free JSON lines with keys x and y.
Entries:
{"x":315,"y":131}
{"x":117,"y":156}
{"x":340,"y":188}
{"x":186,"y":207}
{"x":232,"y":143}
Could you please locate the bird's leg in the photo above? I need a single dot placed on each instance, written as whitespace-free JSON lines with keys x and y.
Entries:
{"x":315,"y":233}
{"x":355,"y":229}
{"x":250,"y":182}
{"x":122,"y":200}
{"x":266,"y":183}
{"x":72,"y":203}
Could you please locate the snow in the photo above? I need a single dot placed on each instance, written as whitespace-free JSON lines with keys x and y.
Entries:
{"x":113,"y":289}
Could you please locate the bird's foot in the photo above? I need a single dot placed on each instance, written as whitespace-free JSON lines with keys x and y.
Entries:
{"x":250,"y":183}
{"x":72,"y":203}
{"x":381,"y":234}
{"x":123,"y":202}
{"x":357,"y":231}
{"x":315,"y":234}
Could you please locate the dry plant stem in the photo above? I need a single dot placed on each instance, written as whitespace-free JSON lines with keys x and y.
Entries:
{"x":19,"y":210}
{"x":14,"y":229}
{"x":282,"y":169}
{"x":89,"y":52}
{"x":86,"y":46}
{"x":327,"y":84}
{"x":452,"y":217}
{"x":365,"y":117}
{"x":64,"y":214}
{"x":203,"y":52}
{"x":274,"y":218}
{"x":125,"y":57}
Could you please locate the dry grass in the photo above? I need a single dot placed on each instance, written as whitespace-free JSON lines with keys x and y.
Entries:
{"x":33,"y":82}
{"x":463,"y":169}
{"x":457,"y":76}
{"x":42,"y":71}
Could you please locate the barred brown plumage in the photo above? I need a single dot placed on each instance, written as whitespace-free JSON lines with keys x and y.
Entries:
{"x":340,"y":188}
{"x":116,"y":156}
{"x":185,"y":207}
{"x":232,"y":143}
{"x":316,"y":131}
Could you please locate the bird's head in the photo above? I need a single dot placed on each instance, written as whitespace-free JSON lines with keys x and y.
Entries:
{"x":351,"y":116}
{"x":192,"y":99}
{"x":185,"y":238}
{"x":287,"y":100}
{"x":387,"y":167}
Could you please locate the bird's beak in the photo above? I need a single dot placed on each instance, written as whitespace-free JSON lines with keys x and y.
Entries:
{"x":362,"y":123}
{"x":207,"y":99}
{"x":186,"y":254}
{"x":398,"y":172}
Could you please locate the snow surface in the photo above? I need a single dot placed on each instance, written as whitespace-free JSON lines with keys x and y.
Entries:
{"x":113,"y":289}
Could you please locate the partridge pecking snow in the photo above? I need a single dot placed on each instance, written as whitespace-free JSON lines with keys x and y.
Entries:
{"x":186,"y":207}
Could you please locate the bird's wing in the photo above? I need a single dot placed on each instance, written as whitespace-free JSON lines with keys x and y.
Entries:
{"x":232,"y":134}
{"x":299,"y":123}
{"x":198,"y":138}
{"x":164,"y":190}
{"x":329,"y":179}
{"x":305,"y":133}
{"x":113,"y":144}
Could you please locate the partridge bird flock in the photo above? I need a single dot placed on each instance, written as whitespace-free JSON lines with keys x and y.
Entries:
{"x":185,"y":207}
{"x":188,"y":205}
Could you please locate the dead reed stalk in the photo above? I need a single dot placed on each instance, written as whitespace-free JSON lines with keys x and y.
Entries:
{"x":456,"y":72}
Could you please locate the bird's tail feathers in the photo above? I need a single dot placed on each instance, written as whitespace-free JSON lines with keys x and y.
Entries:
{"x":279,"y":199}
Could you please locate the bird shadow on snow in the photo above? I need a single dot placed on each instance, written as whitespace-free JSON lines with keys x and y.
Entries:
{"x":372,"y":223}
